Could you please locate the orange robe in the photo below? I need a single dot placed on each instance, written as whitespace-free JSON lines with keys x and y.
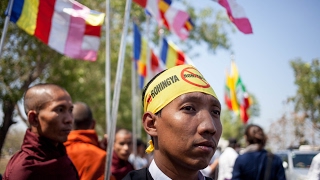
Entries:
{"x":83,"y":150}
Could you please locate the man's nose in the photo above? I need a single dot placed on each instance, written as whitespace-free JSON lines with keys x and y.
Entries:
{"x":208,"y":123}
{"x":69,"y":118}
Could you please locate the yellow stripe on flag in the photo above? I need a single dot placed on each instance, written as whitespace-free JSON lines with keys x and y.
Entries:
{"x":28,"y":18}
{"x":163,"y":6}
{"x":234,"y":78}
{"x":95,"y":19}
{"x":171,"y":57}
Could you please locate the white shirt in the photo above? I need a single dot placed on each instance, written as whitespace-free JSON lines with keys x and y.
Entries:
{"x":314,"y":171}
{"x":137,"y":161}
{"x":157,"y":174}
{"x":226,"y":163}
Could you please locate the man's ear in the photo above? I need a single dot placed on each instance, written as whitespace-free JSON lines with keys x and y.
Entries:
{"x":33,"y":118}
{"x":148,"y":120}
{"x":93,"y":124}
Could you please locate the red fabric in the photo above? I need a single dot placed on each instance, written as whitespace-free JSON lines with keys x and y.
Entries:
{"x":120,"y":168}
{"x":142,"y":3}
{"x":44,"y":20}
{"x":92,"y":30}
{"x":244,"y":110}
{"x":89,"y":159}
{"x":40,"y":159}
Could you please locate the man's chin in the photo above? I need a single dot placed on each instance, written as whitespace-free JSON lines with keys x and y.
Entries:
{"x":125,"y":158}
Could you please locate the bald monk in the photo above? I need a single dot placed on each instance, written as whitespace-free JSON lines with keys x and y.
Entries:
{"x":83,"y":145}
{"x":122,"y":149}
{"x":43,"y":156}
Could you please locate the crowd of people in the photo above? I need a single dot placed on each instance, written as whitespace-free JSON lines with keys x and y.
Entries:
{"x":181,"y":116}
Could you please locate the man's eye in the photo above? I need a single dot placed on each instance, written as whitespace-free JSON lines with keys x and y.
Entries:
{"x":217,"y":112}
{"x":188,"y":108}
{"x":60,"y":109}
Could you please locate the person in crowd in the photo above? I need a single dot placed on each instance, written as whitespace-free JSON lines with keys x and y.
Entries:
{"x":122,"y":149}
{"x":255,"y":162}
{"x":213,"y":168}
{"x":83,"y":145}
{"x":43,"y":156}
{"x":139,"y":160}
{"x":227,"y":159}
{"x":182,"y":116}
{"x":314,"y":171}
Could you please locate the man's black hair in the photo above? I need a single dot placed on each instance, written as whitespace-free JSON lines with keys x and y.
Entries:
{"x":147,"y":85}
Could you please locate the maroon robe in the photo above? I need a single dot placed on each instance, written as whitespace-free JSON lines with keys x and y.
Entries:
{"x":40,"y":159}
{"x":120,"y":168}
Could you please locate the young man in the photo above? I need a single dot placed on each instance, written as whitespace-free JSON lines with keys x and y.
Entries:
{"x":182,"y":116}
{"x":83,"y":145}
{"x":43,"y":155}
{"x":122,"y":149}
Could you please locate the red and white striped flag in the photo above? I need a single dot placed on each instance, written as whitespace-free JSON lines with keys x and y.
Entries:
{"x":236,"y":15}
{"x":66,"y":26}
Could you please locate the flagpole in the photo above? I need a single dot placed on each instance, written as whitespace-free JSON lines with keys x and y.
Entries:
{"x":107,"y":78}
{"x":148,"y":77}
{"x":117,"y":87}
{"x":5,"y":28}
{"x":134,"y":108}
{"x":161,"y":31}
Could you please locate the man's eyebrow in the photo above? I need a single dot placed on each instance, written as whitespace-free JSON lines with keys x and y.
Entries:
{"x":194,"y":98}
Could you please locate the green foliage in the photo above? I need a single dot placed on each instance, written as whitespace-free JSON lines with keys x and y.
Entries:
{"x":232,"y":125}
{"x":307,"y":98}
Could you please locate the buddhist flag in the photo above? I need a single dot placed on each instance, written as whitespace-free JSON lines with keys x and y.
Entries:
{"x":236,"y":96}
{"x":151,"y":6}
{"x":177,"y":21}
{"x":171,"y":55}
{"x":66,"y":26}
{"x":140,"y":49}
{"x":236,"y":15}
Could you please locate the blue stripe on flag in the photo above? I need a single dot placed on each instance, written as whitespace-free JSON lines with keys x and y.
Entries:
{"x":16,"y":10}
{"x":137,"y":43}
{"x":164,"y":51}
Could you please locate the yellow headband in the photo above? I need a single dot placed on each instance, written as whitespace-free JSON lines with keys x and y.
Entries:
{"x":172,"y":83}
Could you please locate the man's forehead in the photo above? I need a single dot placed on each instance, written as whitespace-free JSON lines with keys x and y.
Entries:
{"x":198,"y":96}
{"x":123,"y":135}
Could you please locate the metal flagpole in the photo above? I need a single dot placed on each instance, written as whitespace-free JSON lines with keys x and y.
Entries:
{"x":107,"y":78}
{"x":161,"y":31}
{"x":5,"y":28}
{"x":134,"y":108}
{"x":117,"y":87}
{"x":148,"y":77}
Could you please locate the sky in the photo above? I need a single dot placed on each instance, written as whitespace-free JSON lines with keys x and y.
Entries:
{"x":282,"y":31}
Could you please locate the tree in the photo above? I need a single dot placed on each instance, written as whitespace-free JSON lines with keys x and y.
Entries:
{"x":287,"y":132}
{"x":307,"y":99}
{"x":27,"y":61}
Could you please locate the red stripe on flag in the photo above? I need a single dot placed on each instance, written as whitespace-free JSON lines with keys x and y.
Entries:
{"x":180,"y":59}
{"x":142,"y":3}
{"x":154,"y":61}
{"x":92,"y":30}
{"x":44,"y":18}
{"x":164,"y":20}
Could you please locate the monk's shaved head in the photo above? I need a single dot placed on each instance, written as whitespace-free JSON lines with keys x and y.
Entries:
{"x":82,"y":115}
{"x":37,"y":96}
{"x":123,"y":131}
